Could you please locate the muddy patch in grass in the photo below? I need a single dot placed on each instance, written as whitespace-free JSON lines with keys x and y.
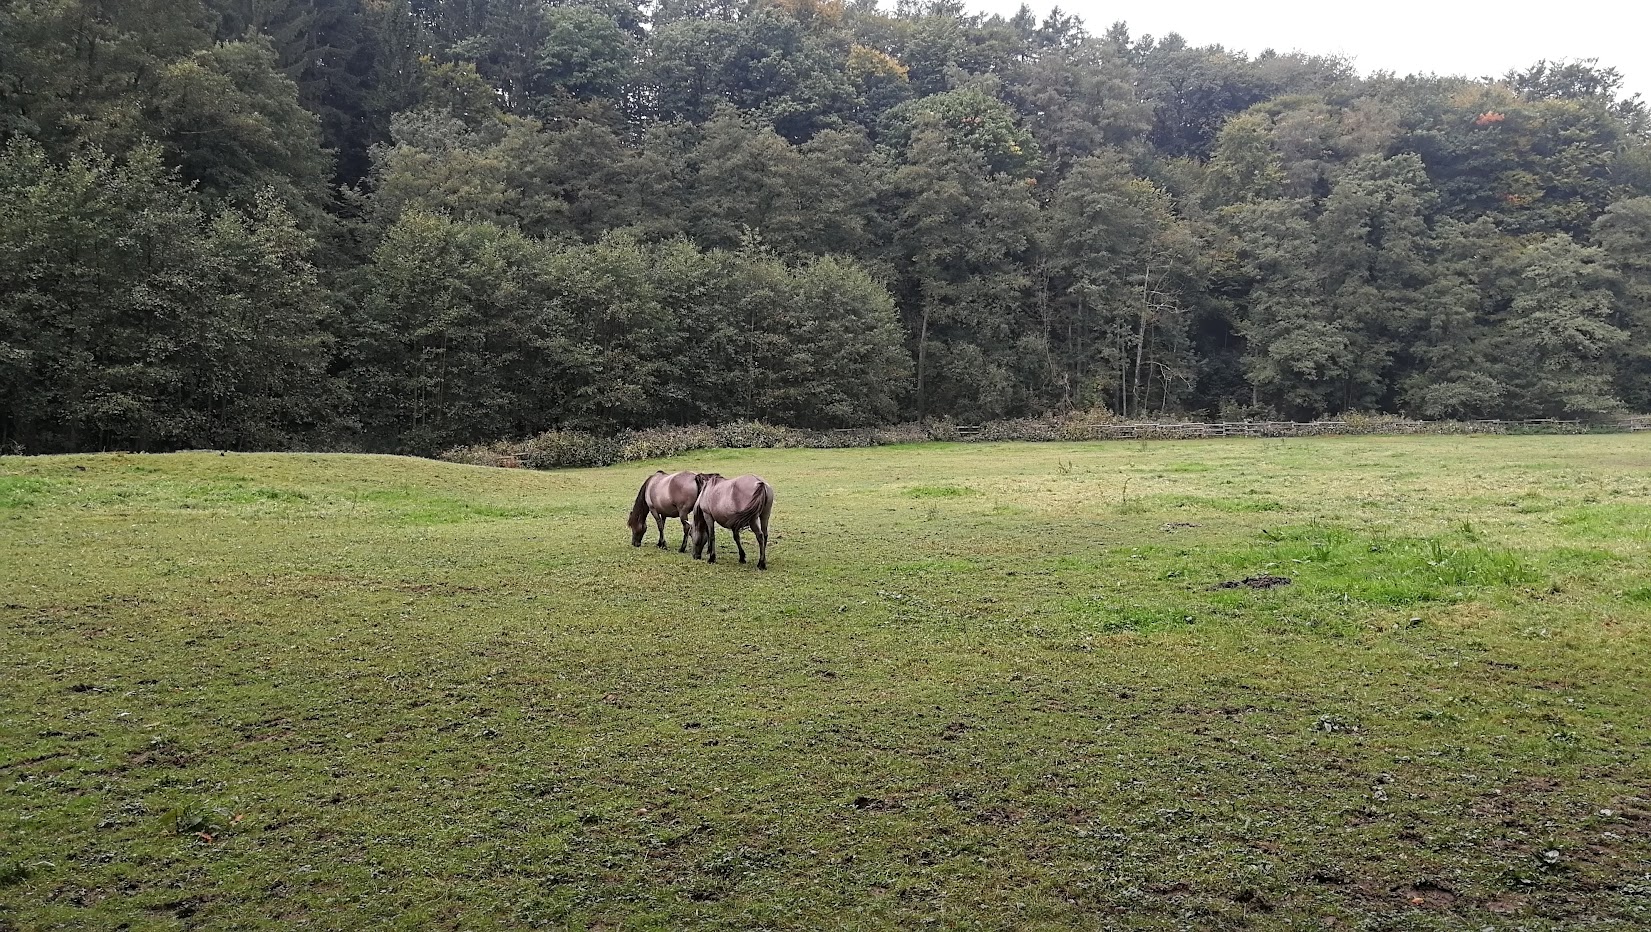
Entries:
{"x":1263,"y":581}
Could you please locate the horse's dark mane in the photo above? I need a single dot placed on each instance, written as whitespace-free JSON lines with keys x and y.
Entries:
{"x":639,"y":511}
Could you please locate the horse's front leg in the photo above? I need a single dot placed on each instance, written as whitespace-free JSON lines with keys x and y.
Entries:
{"x":686,"y":533}
{"x":709,"y":531}
{"x":659,"y":519}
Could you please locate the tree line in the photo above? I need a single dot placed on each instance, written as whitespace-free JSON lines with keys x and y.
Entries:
{"x":408,"y":224}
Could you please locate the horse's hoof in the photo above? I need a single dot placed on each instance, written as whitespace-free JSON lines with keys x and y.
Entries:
{"x":742,"y":559}
{"x":762,"y":565}
{"x":660,"y":546}
{"x":637,"y":544}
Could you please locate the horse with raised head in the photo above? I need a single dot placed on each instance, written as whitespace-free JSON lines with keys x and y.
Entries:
{"x":736,"y":504}
{"x":664,"y":495}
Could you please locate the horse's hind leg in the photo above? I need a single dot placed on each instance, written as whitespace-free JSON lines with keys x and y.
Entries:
{"x":739,"y":545}
{"x":685,"y":533}
{"x":710,"y":532}
{"x":759,"y":527}
{"x":659,"y":519}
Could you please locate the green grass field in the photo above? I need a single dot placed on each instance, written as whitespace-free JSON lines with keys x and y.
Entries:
{"x":981,"y":686}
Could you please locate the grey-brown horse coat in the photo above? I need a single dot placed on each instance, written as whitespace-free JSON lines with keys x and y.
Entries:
{"x":736,"y":504}
{"x":664,"y":495}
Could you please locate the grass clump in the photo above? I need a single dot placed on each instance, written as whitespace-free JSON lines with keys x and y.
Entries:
{"x":941,"y":491}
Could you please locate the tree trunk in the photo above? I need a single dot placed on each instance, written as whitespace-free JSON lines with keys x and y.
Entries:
{"x":1141,"y":336}
{"x":922,"y":359}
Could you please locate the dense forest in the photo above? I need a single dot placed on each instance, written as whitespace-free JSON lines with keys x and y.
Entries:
{"x":406,"y":224}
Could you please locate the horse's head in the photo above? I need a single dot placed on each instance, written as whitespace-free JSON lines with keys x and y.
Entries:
{"x":638,"y":521}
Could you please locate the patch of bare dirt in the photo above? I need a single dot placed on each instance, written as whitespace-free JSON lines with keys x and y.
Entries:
{"x":1254,"y":582}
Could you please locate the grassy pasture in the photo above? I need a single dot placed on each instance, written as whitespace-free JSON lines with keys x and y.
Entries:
{"x":982,"y":686}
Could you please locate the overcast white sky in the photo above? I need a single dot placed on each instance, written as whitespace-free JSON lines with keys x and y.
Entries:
{"x":1474,"y":38}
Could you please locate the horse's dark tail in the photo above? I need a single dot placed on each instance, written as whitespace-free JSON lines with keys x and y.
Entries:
{"x":639,"y":511}
{"x":761,"y":502}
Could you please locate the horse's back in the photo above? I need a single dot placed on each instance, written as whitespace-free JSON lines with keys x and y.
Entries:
{"x":675,"y":493}
{"x":684,"y":489}
{"x":743,"y":496}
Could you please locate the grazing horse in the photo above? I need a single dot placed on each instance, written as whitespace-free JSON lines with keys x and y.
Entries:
{"x":736,"y":504}
{"x":664,"y":495}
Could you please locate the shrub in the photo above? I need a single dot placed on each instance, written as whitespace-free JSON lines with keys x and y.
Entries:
{"x":657,"y":442}
{"x":942,"y":431}
{"x":1364,"y":424}
{"x":1232,"y":411}
{"x":1020,"y":429}
{"x":1087,"y":425}
{"x":838,"y":439}
{"x":756,"y":434}
{"x":555,"y":448}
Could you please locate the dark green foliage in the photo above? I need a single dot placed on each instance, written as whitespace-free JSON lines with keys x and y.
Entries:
{"x":585,"y":53}
{"x":84,"y":70}
{"x":1555,"y":339}
{"x":1123,"y":277}
{"x":1623,"y":233}
{"x":1331,"y":294}
{"x":453,"y":322}
{"x":335,"y":57}
{"x":600,"y":215}
{"x":964,"y":235}
{"x":132,"y":318}
{"x":474,"y":331}
{"x":232,"y":123}
{"x":971,"y":120}
{"x":765,"y":62}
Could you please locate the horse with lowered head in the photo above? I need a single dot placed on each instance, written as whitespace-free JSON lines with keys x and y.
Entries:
{"x":664,"y":495}
{"x":736,"y":504}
